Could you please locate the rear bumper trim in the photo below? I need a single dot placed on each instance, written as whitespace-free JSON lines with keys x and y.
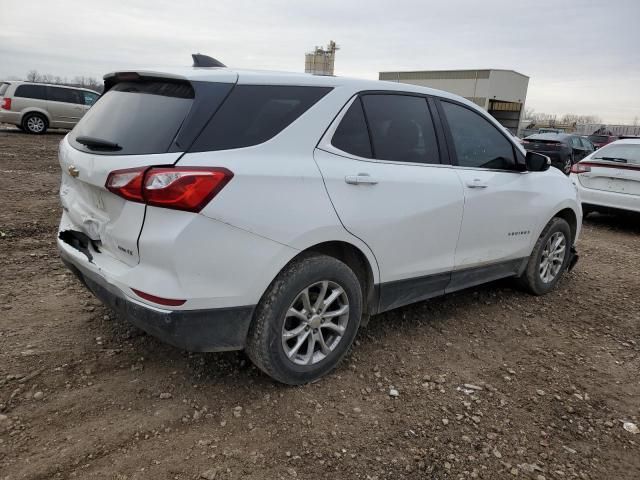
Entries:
{"x":208,"y":330}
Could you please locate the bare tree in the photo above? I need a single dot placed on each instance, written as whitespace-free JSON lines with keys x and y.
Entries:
{"x":80,"y":81}
{"x":580,"y":119}
{"x":528,"y":113}
{"x":33,"y":76}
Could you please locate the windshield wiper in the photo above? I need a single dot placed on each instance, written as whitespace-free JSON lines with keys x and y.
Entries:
{"x":612,"y":159}
{"x":98,"y":143}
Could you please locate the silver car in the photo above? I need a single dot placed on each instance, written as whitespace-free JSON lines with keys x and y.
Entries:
{"x":35,"y":107}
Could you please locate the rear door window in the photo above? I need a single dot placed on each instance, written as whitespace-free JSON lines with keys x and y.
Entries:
{"x":401,"y":128}
{"x":38,"y":92}
{"x":478,"y":143}
{"x":352,"y":135}
{"x":141,"y":117}
{"x":253,"y":114}
{"x":586,"y":144}
{"x":65,"y":95}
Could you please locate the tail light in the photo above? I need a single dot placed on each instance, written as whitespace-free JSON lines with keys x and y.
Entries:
{"x":6,"y":104}
{"x":179,"y":188}
{"x":580,"y":168}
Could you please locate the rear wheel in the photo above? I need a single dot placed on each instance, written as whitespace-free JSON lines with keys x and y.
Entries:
{"x":568,"y":163}
{"x":306,"y":320}
{"x":34,"y":123}
{"x":549,"y":258}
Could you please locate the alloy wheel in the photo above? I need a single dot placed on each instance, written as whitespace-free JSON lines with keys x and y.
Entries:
{"x":552,"y":257}
{"x":315,"y":323}
{"x":35,"y":124}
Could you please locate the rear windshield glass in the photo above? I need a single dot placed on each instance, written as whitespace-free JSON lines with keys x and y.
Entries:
{"x":141,"y":117}
{"x":622,"y":153}
{"x":3,"y":88}
{"x":253,"y":114}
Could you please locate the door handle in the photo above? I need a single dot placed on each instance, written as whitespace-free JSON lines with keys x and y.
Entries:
{"x":477,"y":183}
{"x":360,"y":179}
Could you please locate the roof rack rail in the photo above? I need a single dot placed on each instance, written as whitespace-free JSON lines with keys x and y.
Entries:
{"x":200,"y":60}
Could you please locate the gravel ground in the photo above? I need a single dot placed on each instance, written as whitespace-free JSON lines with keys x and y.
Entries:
{"x":487,"y":383}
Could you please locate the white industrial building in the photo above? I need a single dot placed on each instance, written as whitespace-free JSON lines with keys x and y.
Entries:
{"x":501,"y":92}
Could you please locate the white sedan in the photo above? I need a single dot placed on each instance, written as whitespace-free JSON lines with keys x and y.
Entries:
{"x":609,"y":178}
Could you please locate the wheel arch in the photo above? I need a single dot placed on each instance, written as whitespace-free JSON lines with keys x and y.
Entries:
{"x":571,"y":218}
{"x":358,"y":261}
{"x":32,"y":110}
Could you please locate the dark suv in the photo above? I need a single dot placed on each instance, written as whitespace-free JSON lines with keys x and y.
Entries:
{"x":564,"y":149}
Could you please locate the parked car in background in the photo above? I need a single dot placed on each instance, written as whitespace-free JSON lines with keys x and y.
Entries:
{"x":35,"y":107}
{"x":223,"y":209}
{"x":563,"y":149}
{"x":550,"y":130}
{"x":600,"y":141}
{"x":609,"y":178}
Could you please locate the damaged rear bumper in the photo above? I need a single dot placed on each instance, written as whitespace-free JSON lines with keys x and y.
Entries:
{"x":206,"y":330}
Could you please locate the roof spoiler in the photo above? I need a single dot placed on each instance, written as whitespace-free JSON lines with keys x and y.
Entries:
{"x":200,"y":60}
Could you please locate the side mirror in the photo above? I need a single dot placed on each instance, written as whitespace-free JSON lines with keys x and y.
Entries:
{"x":536,"y":162}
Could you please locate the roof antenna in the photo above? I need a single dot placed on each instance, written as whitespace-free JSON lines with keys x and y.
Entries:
{"x":200,"y":60}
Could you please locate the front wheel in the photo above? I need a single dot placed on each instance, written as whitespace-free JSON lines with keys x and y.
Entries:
{"x":306,"y":320}
{"x":549,"y":258}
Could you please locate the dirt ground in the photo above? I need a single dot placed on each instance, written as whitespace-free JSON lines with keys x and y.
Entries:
{"x":492,"y":383}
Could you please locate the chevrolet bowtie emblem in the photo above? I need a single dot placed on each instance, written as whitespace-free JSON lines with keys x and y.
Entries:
{"x":73,"y":171}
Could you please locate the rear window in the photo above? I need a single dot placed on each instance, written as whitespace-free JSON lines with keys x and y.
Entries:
{"x":141,"y":117}
{"x":38,"y":92}
{"x":628,"y":153}
{"x":3,"y":88}
{"x":253,"y":114}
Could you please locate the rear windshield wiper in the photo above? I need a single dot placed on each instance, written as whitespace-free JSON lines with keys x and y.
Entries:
{"x":98,"y":143}
{"x":612,"y":159}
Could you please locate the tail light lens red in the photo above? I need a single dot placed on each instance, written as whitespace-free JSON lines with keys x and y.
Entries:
{"x":580,"y":168}
{"x":127,"y":183}
{"x":6,"y":104}
{"x":179,"y":188}
{"x":171,"y":302}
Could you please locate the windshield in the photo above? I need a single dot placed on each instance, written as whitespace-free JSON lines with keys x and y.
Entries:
{"x":619,"y":152}
{"x":138,"y":117}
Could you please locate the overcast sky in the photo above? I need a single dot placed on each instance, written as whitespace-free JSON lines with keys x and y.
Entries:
{"x":583,"y":56}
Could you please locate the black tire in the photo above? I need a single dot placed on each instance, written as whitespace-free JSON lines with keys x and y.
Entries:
{"x":531,"y":279}
{"x":265,"y":339}
{"x":35,"y":123}
{"x":587,"y":211}
{"x":568,"y":163}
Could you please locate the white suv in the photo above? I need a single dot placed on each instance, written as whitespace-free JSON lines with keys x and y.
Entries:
{"x":222,"y":209}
